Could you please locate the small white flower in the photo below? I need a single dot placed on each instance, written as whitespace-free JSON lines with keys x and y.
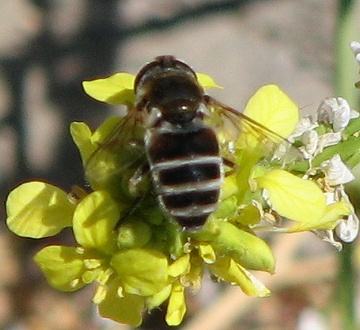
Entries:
{"x":304,"y":124}
{"x":328,"y":237}
{"x":310,"y":140}
{"x":335,"y":111}
{"x":336,"y":172}
{"x":285,"y":150}
{"x":348,"y":229}
{"x":355,"y":46}
{"x":326,"y":140}
{"x":280,"y":151}
{"x":331,"y":197}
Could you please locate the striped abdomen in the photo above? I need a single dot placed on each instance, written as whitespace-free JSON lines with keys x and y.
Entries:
{"x":186,"y":170}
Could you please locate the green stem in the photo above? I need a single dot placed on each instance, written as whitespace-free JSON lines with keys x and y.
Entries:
{"x":345,"y":77}
{"x":346,"y":288}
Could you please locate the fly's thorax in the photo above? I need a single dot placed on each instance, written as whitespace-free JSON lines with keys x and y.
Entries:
{"x":173,"y":99}
{"x":183,"y":117}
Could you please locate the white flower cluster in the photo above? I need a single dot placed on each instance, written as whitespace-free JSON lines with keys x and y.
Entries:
{"x":333,"y":116}
{"x":333,"y":112}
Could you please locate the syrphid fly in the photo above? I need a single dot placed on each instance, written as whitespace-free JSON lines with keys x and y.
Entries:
{"x":173,"y":134}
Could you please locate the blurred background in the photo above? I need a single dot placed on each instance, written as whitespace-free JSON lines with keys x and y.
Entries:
{"x":48,"y":47}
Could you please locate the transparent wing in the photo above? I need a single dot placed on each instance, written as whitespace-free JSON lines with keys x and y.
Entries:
{"x":230,"y":123}
{"x":119,"y":155}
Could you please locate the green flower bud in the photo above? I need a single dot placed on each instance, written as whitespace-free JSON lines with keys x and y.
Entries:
{"x":245,"y":248}
{"x":133,"y":233}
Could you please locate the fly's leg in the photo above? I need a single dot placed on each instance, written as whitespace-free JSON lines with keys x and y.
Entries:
{"x":139,"y":182}
{"x":233,"y":167}
{"x":130,"y":211}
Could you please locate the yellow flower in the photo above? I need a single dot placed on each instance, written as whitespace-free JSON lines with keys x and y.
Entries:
{"x":292,"y":197}
{"x":140,"y":259}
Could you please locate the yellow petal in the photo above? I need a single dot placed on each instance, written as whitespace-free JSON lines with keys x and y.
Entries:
{"x":38,"y":209}
{"x":179,"y":266}
{"x":207,"y":252}
{"x":116,"y":89}
{"x":292,"y":197}
{"x":249,"y":215}
{"x":100,"y":294}
{"x":62,"y":266}
{"x":177,"y":306}
{"x":271,"y":107}
{"x":94,"y":221}
{"x":81,"y":135}
{"x":142,"y":272}
{"x":206,"y":81}
{"x":125,"y":309}
{"x":194,"y":277}
{"x":158,"y":298}
{"x":88,"y":142}
{"x":228,"y":270}
{"x":329,"y":220}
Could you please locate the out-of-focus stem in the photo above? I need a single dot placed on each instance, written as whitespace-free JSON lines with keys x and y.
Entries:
{"x":347,"y":30}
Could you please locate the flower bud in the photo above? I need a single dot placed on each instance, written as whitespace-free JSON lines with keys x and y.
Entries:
{"x":133,"y":233}
{"x":245,"y":248}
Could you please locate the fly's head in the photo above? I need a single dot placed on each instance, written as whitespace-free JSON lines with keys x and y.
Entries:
{"x":168,"y":90}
